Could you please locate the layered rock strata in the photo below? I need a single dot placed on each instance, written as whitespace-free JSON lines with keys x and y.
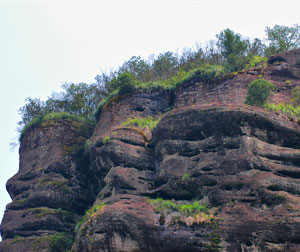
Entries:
{"x":214,"y":175}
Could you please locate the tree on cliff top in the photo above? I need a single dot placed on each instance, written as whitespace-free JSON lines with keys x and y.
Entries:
{"x":77,"y":99}
{"x":237,"y":51}
{"x":230,"y":51}
{"x":282,"y":38}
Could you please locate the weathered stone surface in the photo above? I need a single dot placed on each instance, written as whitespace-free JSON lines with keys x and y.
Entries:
{"x":51,"y":189}
{"x":243,"y":162}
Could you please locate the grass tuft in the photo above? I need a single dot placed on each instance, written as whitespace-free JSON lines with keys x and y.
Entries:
{"x":88,"y":214}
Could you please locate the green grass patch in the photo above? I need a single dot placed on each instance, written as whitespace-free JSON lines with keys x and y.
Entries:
{"x":186,"y":178}
{"x":88,"y":214}
{"x":58,"y":185}
{"x":41,"y":212}
{"x":288,"y":109}
{"x":161,"y":205}
{"x":51,"y":118}
{"x":142,"y":123}
{"x":18,"y":239}
{"x":206,"y":73}
{"x":257,"y":62}
{"x":106,"y":139}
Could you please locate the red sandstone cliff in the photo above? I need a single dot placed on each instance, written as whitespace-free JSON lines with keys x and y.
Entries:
{"x":243,"y":162}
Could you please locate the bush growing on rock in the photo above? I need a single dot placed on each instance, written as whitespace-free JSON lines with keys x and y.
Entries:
{"x":259,"y":91}
{"x":61,"y":242}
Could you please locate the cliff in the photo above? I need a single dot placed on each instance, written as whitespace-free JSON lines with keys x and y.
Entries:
{"x":213,"y":175}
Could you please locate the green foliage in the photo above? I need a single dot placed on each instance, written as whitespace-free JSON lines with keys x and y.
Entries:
{"x":61,"y":242}
{"x":52,"y":117}
{"x":140,"y":68}
{"x":101,"y":104}
{"x":233,"y":49}
{"x":282,"y":38}
{"x":166,"y":71}
{"x":161,"y":205}
{"x":142,"y":123}
{"x":259,"y":91}
{"x":186,"y":177}
{"x":256,"y":61}
{"x":285,"y":108}
{"x":18,"y":239}
{"x":88,"y":214}
{"x":206,"y":73}
{"x":106,"y":139}
{"x":166,"y":65}
{"x":57,"y":185}
{"x":192,"y":209}
{"x":77,"y":99}
{"x":124,"y":83}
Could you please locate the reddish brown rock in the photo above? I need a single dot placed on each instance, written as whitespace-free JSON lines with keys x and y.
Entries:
{"x":51,"y":189}
{"x":243,"y":162}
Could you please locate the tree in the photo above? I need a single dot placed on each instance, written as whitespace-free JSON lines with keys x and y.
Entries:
{"x":282,"y":38}
{"x":255,"y":47}
{"x":233,"y":48}
{"x":125,"y":82}
{"x":139,"y":67}
{"x":33,"y":108}
{"x":77,"y":99}
{"x":166,"y":65}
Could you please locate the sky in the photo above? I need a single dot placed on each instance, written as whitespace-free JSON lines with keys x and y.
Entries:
{"x":44,"y":43}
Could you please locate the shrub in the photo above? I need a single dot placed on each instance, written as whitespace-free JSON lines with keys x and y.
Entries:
{"x":61,"y":242}
{"x":285,"y":108}
{"x":207,"y":73}
{"x":106,"y":140}
{"x":124,"y":82}
{"x":259,"y":91}
{"x":186,"y":177}
{"x":256,"y":61}
{"x":192,"y":209}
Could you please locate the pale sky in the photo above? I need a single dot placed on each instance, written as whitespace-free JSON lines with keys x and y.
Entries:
{"x":44,"y":43}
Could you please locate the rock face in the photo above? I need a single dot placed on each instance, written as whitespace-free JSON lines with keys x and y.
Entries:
{"x":214,"y":174}
{"x":51,"y":189}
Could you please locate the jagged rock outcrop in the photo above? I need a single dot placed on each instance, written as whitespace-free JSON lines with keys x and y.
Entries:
{"x":50,"y":191}
{"x":214,"y":175}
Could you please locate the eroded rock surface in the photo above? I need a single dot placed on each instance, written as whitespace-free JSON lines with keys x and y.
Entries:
{"x":240,"y":163}
{"x":51,"y":189}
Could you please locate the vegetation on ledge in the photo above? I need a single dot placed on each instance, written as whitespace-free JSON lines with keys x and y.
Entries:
{"x":142,"y":123}
{"x":51,"y":118}
{"x":230,"y":52}
{"x":89,"y":213}
{"x":169,"y":206}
